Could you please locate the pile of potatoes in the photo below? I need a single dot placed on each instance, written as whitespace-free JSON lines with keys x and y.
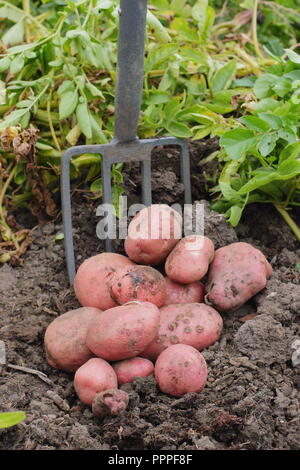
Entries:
{"x":136,"y":321}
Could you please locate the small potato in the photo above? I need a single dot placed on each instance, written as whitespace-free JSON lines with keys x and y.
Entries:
{"x":110,"y":403}
{"x":180,"y":369}
{"x":152,"y":234}
{"x":95,"y":376}
{"x":197,"y":325}
{"x":237,"y":273}
{"x":138,"y":283}
{"x":183,"y":293}
{"x":130,"y":368}
{"x":91,"y":280}
{"x":190,"y":259}
{"x":123,"y":332}
{"x":65,"y":339}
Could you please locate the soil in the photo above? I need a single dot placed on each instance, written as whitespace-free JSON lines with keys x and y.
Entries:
{"x":252,"y":396}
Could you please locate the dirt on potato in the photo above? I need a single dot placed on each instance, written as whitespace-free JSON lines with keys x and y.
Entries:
{"x":252,"y":396}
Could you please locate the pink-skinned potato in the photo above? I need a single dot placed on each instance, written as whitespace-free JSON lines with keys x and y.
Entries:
{"x":194,"y":324}
{"x":110,"y":403}
{"x":189,"y":260}
{"x":93,"y":377}
{"x":152,"y":234}
{"x":177,"y":293}
{"x":92,"y":278}
{"x":142,"y":283}
{"x":180,"y":369}
{"x":135,"y":367}
{"x":237,"y":273}
{"x":123,"y":332}
{"x":65,"y":339}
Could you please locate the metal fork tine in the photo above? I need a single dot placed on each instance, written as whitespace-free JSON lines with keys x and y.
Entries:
{"x":146,"y":183}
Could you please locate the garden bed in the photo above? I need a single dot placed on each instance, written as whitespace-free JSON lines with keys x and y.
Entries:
{"x":251,"y":400}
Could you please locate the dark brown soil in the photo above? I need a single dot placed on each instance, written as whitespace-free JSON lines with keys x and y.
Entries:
{"x":252,"y":397}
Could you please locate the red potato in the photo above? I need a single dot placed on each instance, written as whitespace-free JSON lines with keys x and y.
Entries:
{"x":123,"y":332}
{"x":138,"y":283}
{"x":65,"y":339}
{"x":180,"y":369}
{"x":183,"y":293}
{"x":237,"y":273}
{"x":194,"y":324}
{"x":91,"y":280}
{"x":110,"y":403}
{"x":95,"y":376}
{"x":152,"y":234}
{"x":130,"y":368}
{"x":189,"y":260}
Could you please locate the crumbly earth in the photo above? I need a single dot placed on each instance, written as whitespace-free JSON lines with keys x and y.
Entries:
{"x":252,"y":396}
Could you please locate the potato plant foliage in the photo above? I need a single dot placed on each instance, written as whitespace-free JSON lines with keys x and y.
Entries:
{"x":210,"y":70}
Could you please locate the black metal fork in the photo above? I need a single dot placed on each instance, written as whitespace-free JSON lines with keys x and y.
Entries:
{"x":125,"y":145}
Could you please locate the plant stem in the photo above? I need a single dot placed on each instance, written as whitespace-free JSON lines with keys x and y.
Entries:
{"x":291,"y":223}
{"x":51,"y":123}
{"x":254,"y":30}
{"x":26,"y":8}
{"x":2,"y":194}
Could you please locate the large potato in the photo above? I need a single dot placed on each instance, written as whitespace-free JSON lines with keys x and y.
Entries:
{"x":91,"y":280}
{"x":180,"y":369}
{"x":65,"y":338}
{"x":138,"y":283}
{"x":152,"y":234}
{"x":123,"y":332}
{"x":197,"y":325}
{"x":95,"y":376}
{"x":135,"y":367}
{"x":237,"y":273}
{"x":183,"y":293}
{"x":190,"y":259}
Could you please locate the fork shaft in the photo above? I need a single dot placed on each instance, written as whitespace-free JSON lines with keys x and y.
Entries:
{"x":130,"y":68}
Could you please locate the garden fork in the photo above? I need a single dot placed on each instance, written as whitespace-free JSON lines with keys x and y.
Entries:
{"x":125,"y":145}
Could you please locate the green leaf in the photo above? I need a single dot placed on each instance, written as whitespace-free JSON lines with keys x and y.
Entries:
{"x":273,"y":121}
{"x":159,"y":55}
{"x":282,"y":87}
{"x":16,"y":65}
{"x":263,"y":85}
{"x":96,"y":186}
{"x":202,"y":131}
{"x":234,"y":214}
{"x":262,"y":177}
{"x":289,"y":169}
{"x":237,"y":142}
{"x":223,"y":77}
{"x":13,"y":118}
{"x":157,"y":97}
{"x":83,"y":118}
{"x":266,"y":104}
{"x":184,"y":29}
{"x":228,"y":192}
{"x":14,"y":35}
{"x":98,"y":135}
{"x":172,"y":108}
{"x":94,"y":90}
{"x":11,"y":418}
{"x":267,"y":143}
{"x":67,"y":85}
{"x":160,"y":31}
{"x":255,"y":123}
{"x":293,"y":56}
{"x":4,"y":64}
{"x":287,"y":134}
{"x":291,"y":151}
{"x":68,"y":103}
{"x":178,"y":129}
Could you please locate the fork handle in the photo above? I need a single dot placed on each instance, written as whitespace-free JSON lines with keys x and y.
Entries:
{"x":130,"y":68}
